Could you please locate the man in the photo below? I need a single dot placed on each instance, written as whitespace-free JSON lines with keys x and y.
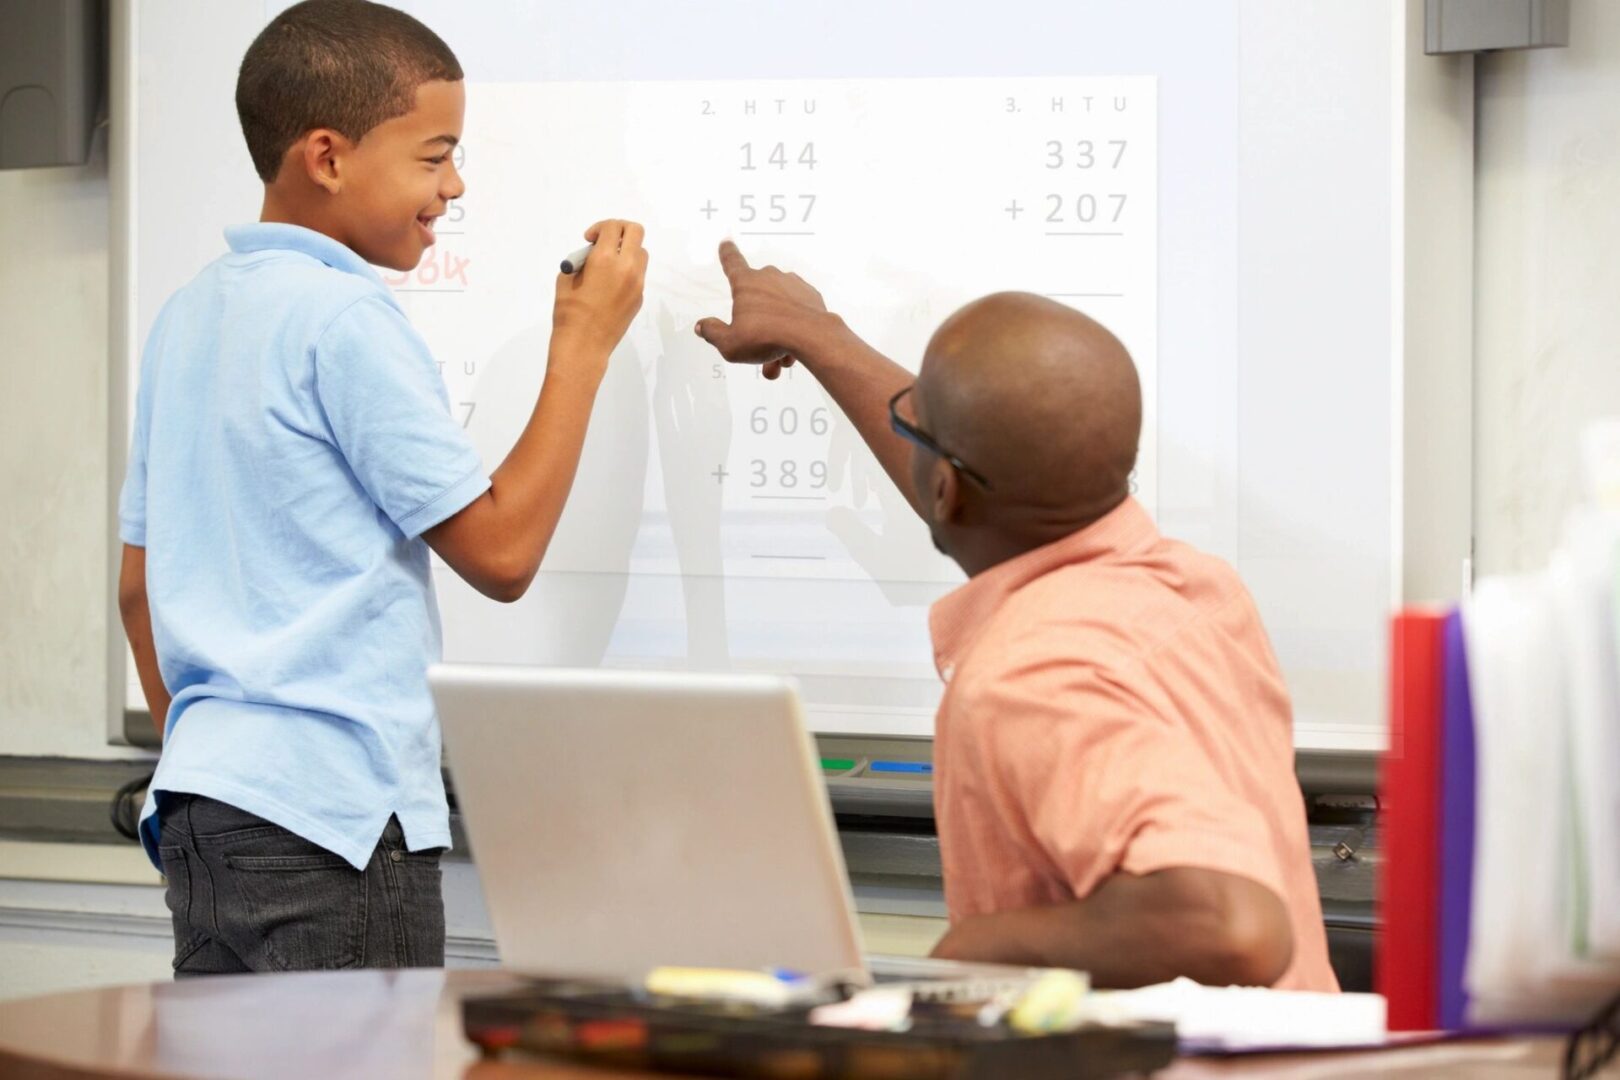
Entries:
{"x":1114,"y":755}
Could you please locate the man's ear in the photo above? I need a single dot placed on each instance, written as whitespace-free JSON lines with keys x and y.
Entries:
{"x":321,"y":152}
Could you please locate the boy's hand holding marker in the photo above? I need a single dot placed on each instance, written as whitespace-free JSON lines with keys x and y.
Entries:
{"x":595,"y":304}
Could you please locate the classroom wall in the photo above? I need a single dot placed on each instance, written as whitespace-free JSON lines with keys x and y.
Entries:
{"x":53,"y":460}
{"x":1547,"y":294}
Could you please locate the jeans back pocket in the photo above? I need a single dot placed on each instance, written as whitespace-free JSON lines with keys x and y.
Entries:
{"x":307,"y":909}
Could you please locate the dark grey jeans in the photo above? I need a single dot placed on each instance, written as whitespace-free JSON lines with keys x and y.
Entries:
{"x":247,"y":895}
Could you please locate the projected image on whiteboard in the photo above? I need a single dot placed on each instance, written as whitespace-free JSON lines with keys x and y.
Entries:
{"x":720,"y":518}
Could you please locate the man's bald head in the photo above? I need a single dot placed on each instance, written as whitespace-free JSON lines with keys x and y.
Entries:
{"x":1040,"y":398}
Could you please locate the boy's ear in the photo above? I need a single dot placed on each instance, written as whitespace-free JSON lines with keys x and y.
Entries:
{"x":320,"y":153}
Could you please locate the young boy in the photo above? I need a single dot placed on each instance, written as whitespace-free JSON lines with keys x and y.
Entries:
{"x":293,"y":460}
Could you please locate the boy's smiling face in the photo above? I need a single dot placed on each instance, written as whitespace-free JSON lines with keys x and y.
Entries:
{"x":388,"y":188}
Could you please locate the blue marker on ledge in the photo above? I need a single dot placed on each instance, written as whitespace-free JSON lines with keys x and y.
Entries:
{"x":921,"y":768}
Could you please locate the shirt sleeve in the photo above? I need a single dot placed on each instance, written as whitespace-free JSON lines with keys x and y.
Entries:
{"x":1103,"y":783}
{"x":385,"y":405}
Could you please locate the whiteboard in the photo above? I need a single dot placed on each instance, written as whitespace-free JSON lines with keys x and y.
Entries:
{"x":1220,"y":181}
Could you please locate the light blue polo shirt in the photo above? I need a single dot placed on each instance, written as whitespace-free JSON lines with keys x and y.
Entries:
{"x":292,"y":441}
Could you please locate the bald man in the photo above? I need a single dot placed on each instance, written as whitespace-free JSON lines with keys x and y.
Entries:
{"x":1114,"y":783}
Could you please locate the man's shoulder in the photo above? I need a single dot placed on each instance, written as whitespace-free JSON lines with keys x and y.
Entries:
{"x":1085,"y":618}
{"x":1140,"y":598}
{"x":1030,"y":650}
{"x":1090,"y":626}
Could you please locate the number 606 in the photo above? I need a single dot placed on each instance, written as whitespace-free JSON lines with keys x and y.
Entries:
{"x":787,"y":420}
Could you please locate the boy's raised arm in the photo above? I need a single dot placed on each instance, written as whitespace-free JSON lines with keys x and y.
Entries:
{"x":497,"y":541}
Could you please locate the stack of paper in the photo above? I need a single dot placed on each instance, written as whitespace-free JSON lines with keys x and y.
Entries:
{"x":1233,"y":1018}
{"x":1500,"y":888}
{"x":1543,"y":671}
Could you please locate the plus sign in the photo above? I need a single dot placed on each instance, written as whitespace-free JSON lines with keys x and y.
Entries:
{"x":708,"y":210}
{"x":1013,"y":209}
{"x":720,"y":474}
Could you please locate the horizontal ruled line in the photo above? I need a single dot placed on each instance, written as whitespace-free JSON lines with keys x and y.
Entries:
{"x":1052,"y":233}
{"x":770,"y":232}
{"x":798,"y":558}
{"x":449,"y":232}
{"x":796,"y":498}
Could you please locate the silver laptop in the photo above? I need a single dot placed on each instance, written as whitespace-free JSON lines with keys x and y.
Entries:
{"x":625,"y":820}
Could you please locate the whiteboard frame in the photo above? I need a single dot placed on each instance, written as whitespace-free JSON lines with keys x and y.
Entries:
{"x":1432,"y":296}
{"x":125,"y":726}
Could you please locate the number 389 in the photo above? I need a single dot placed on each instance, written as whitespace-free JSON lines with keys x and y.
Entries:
{"x":787,"y":474}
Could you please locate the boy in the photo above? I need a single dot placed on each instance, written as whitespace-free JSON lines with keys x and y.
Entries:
{"x":293,"y":460}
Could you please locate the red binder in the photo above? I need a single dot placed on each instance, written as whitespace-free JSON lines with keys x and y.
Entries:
{"x":1407,"y":968}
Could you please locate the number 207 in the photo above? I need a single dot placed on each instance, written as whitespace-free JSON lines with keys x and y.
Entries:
{"x":1086,"y":209}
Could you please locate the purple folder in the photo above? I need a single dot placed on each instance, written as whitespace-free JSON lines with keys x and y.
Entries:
{"x":1457,"y":803}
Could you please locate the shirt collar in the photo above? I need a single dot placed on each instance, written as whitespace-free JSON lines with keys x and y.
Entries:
{"x":957,"y":618}
{"x":277,"y":236}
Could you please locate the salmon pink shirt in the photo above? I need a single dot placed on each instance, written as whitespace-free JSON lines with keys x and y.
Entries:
{"x":1112,"y":704}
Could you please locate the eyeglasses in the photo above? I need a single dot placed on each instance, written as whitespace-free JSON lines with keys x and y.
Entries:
{"x":911,"y":432}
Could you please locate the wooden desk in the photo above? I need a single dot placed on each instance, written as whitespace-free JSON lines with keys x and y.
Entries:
{"x":408,"y":1025}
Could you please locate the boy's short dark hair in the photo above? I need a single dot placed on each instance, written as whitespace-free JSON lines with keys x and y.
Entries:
{"x":347,"y":65}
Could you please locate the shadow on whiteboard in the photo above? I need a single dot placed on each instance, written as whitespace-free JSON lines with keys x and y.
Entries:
{"x":569,"y":620}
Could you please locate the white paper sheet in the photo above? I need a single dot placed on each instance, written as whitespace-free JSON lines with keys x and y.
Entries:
{"x":1233,"y":1018}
